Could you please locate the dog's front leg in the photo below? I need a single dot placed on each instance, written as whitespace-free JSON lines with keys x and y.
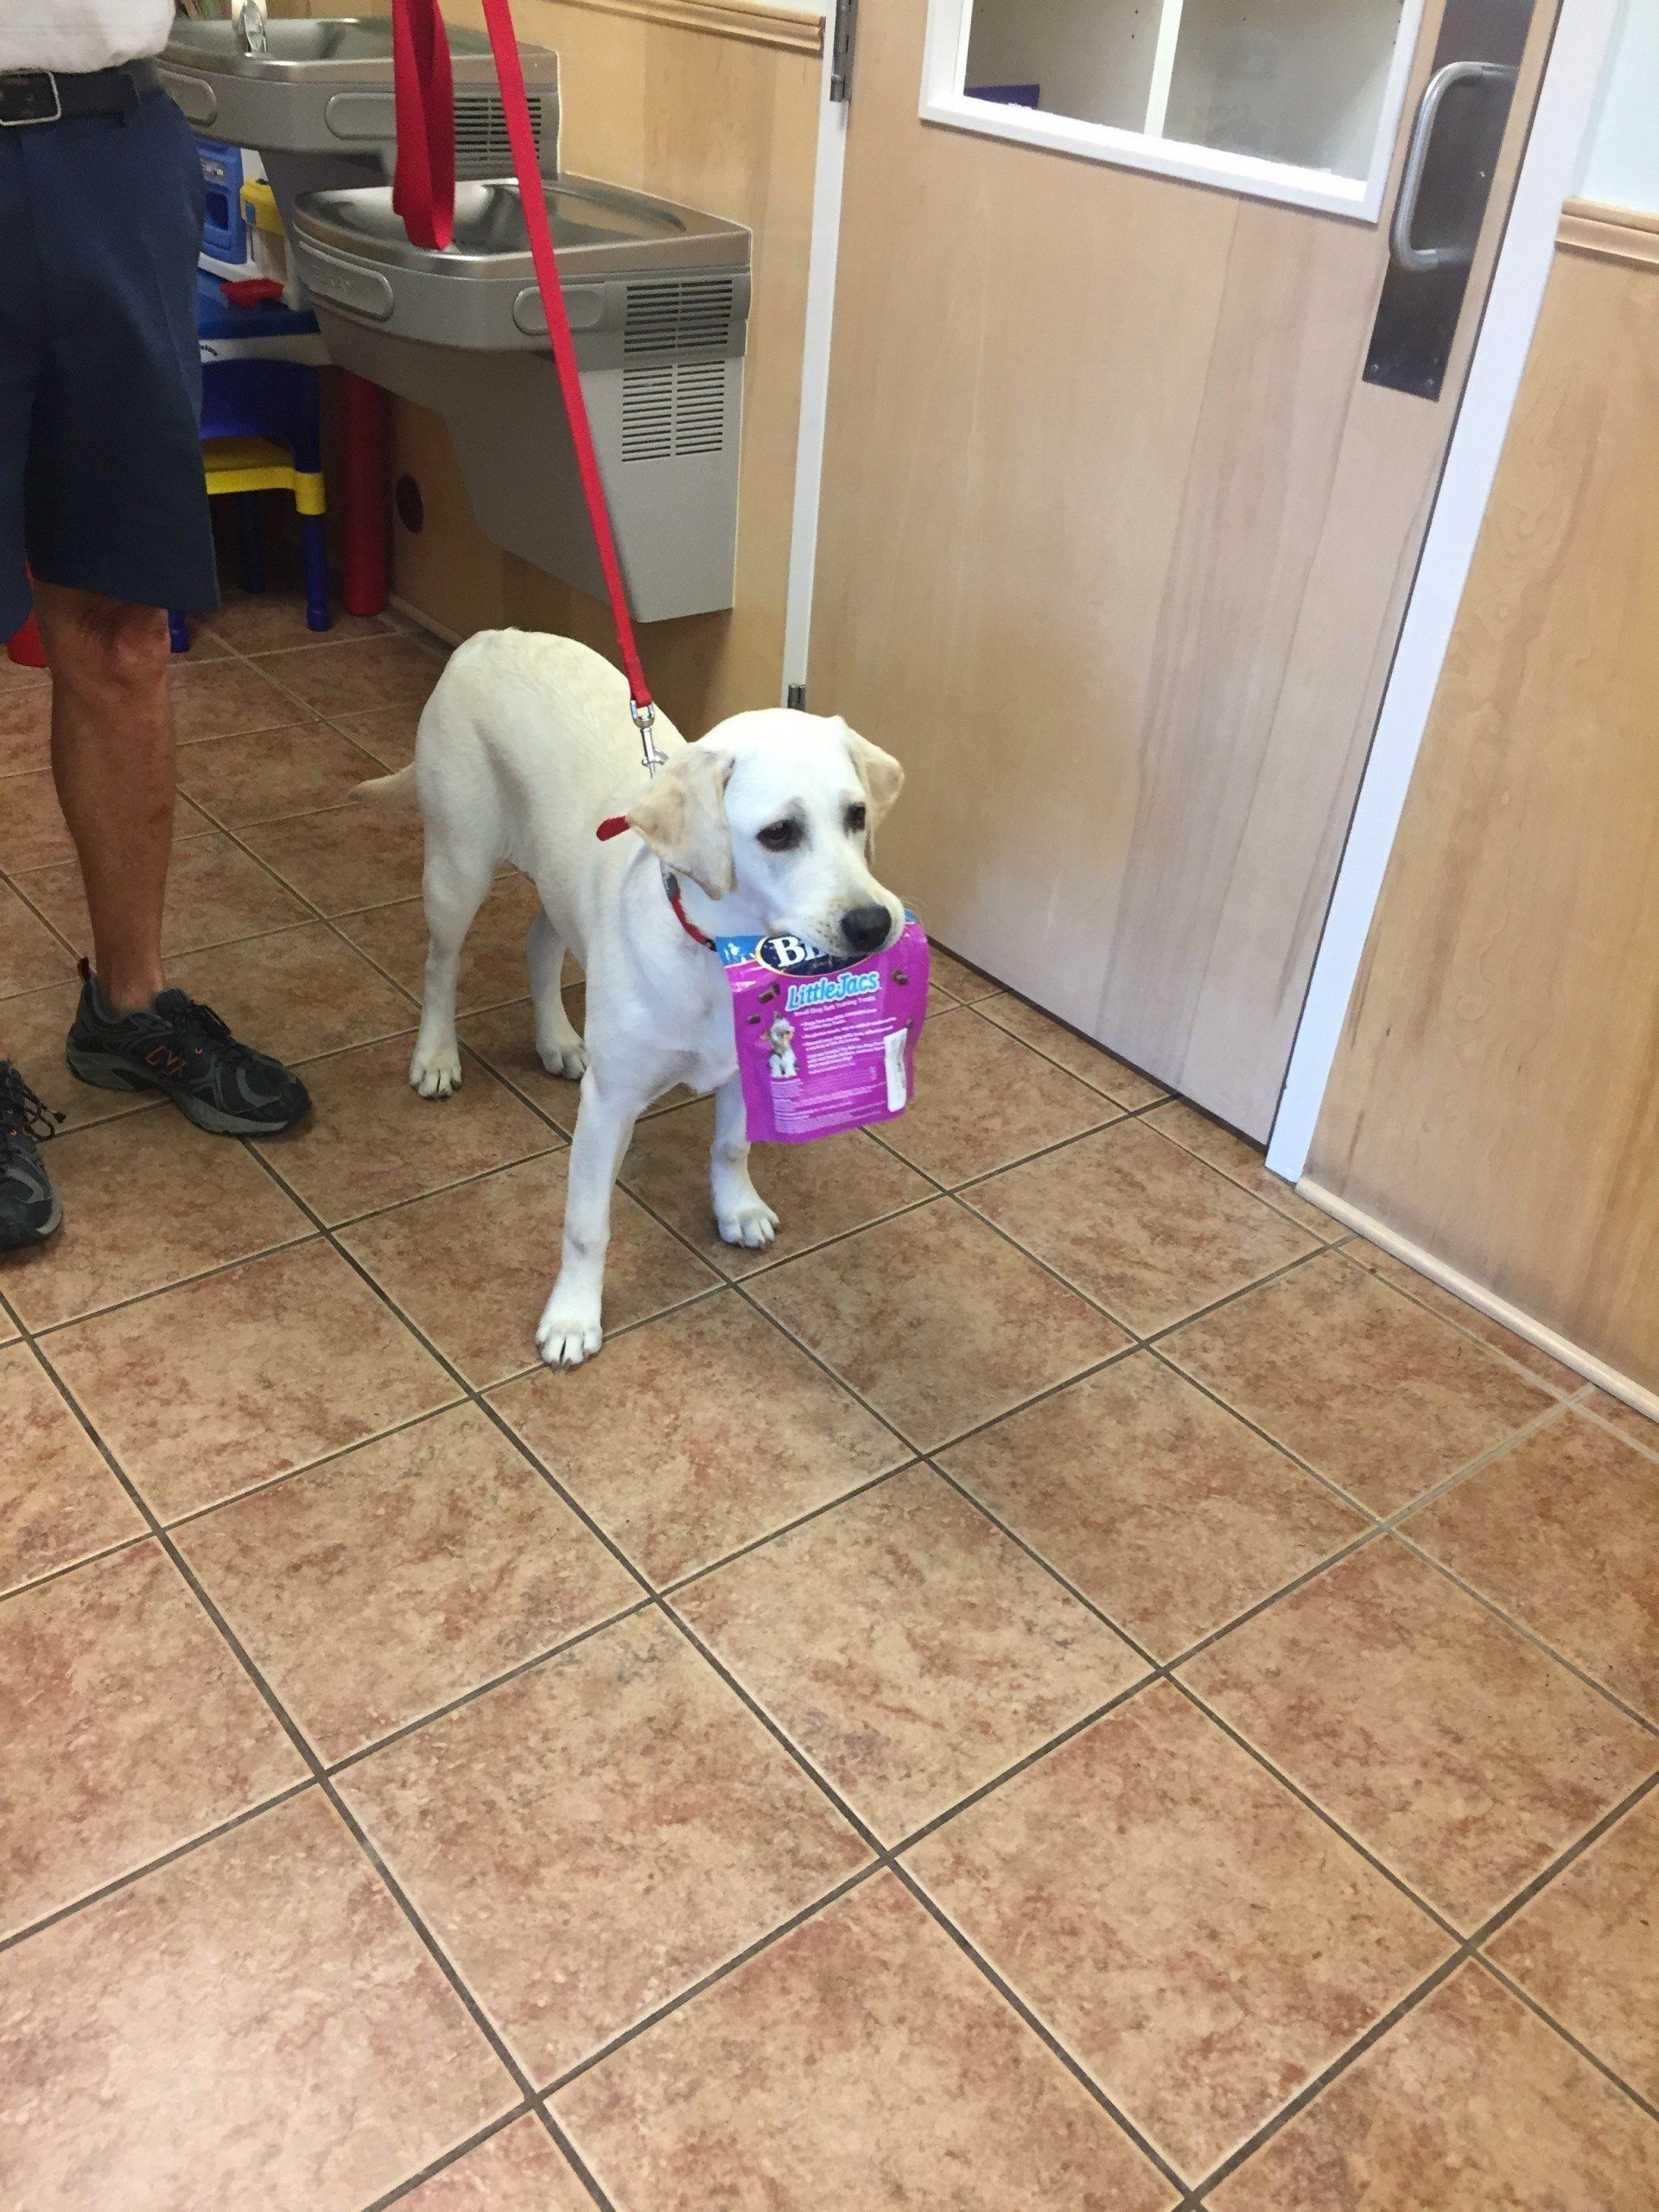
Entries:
{"x":741,"y":1214}
{"x":569,"y":1327}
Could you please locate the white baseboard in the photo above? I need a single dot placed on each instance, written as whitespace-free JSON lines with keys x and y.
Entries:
{"x":1488,"y":1302}
{"x":423,"y":621}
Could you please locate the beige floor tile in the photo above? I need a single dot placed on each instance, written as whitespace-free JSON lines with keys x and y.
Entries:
{"x":33,"y":1031}
{"x":504,"y":1038}
{"x":493,"y":964}
{"x":30,"y":955}
{"x":382,"y":1585}
{"x":256,"y":2024}
{"x":1164,"y":1508}
{"x":1471,"y":2102}
{"x":1202,"y":1943}
{"x":517,"y":2171}
{"x":1378,"y":1395}
{"x":908,"y":1647}
{"x":269,"y":621}
{"x":956,"y":977}
{"x":1459,"y":1753}
{"x":147,"y":1201}
{"x":33,"y":834}
{"x":473,"y":1267}
{"x":1140,"y":1224}
{"x":1462,"y":1316}
{"x":25,"y":721}
{"x":1562,"y":1531}
{"x":937,"y":1321}
{"x":592,"y":1839}
{"x":860,"y":2063}
{"x":370,"y":1141}
{"x":59,"y":1502}
{"x":215,"y":894}
{"x":1636,"y":1426}
{"x":1587,"y":1949}
{"x":745,"y":1433}
{"x":225,"y":1382}
{"x":818,"y":1190}
{"x":225,"y":698}
{"x":358,"y":674}
{"x":298,"y":992}
{"x":1081,"y":1055}
{"x":1242,"y":1162}
{"x":350,"y":857}
{"x":983,"y":1099}
{"x":387,"y":732}
{"x":130,"y":1727}
{"x":268,"y":774}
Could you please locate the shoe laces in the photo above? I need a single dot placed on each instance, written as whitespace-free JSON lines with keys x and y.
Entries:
{"x":200,"y":1029}
{"x":22,"y":1112}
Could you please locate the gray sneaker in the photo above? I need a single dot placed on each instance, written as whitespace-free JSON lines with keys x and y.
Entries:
{"x":185,"y":1052}
{"x":31,"y":1208}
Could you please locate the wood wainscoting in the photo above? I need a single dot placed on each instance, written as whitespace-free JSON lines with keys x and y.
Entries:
{"x":1495,"y":1099}
{"x":713,"y":102}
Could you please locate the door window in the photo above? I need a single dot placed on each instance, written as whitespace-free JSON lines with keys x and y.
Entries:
{"x":1296,"y":99}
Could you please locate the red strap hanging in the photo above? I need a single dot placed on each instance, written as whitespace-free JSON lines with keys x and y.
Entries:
{"x":423,"y":187}
{"x":425,"y":193}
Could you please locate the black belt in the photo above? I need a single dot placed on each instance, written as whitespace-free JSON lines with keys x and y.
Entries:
{"x":48,"y":96}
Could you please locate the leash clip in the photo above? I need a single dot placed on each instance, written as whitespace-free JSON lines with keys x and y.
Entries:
{"x":644,"y":716}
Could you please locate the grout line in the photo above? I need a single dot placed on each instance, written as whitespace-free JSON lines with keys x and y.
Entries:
{"x":450,"y":2158}
{"x":566,"y":2146}
{"x":1566,"y":2035}
{"x":40,"y":1333}
{"x":1039,"y":2028}
{"x":9,"y":1940}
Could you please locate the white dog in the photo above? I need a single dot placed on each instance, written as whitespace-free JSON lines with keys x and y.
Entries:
{"x":523,"y":748}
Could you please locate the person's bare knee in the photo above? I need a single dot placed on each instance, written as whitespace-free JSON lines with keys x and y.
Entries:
{"x":103,"y":648}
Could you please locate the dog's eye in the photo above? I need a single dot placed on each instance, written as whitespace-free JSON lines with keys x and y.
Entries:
{"x":780,"y":836}
{"x":856,"y":818}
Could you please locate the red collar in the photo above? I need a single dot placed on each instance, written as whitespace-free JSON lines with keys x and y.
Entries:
{"x":613,"y":826}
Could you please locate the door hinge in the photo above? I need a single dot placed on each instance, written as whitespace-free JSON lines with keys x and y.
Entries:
{"x":843,"y":37}
{"x":795,"y":697}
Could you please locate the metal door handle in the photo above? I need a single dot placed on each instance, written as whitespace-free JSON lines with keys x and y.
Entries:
{"x":1409,"y":255}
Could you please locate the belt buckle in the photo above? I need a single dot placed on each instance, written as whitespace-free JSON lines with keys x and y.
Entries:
{"x":29,"y":96}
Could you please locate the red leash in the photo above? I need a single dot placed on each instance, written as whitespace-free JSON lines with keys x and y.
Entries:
{"x":424,"y":195}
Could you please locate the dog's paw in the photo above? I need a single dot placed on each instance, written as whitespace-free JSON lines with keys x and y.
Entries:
{"x":569,"y":1331}
{"x":569,"y":1060}
{"x":436,"y":1072}
{"x":752,"y":1223}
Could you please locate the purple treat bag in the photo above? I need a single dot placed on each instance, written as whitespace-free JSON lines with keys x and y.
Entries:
{"x":823,"y":1048}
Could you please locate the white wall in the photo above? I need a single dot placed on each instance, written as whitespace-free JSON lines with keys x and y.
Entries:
{"x":1621,"y":155}
{"x":1092,"y":58}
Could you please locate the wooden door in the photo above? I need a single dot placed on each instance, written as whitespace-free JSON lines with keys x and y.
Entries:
{"x":1115,"y":546}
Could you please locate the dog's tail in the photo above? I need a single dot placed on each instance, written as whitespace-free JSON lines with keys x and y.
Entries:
{"x":393,"y":791}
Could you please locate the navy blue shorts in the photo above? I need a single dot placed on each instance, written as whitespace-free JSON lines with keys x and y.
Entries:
{"x":101,"y":484}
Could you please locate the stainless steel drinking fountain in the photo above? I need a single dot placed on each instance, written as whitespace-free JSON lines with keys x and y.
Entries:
{"x":658,"y":299}
{"x":315,"y":101}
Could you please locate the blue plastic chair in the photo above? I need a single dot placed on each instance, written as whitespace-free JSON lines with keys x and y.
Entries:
{"x":281,"y":402}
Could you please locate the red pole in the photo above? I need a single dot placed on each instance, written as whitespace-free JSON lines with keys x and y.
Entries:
{"x":363,"y":494}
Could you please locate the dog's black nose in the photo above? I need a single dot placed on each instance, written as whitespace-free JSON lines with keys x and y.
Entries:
{"x":864,"y":928}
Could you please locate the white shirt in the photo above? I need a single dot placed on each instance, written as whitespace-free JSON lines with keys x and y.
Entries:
{"x":75,"y":35}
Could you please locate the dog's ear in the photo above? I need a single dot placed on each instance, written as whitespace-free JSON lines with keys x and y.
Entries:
{"x":880,"y":773}
{"x":681,"y":816}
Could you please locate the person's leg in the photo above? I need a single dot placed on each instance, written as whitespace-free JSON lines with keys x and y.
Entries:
{"x":113,"y":760}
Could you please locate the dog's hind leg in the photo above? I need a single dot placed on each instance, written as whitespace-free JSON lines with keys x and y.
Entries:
{"x":741,"y":1214}
{"x":561,"y":1050}
{"x":453,"y":891}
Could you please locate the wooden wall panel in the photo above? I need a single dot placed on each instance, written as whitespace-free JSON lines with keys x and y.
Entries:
{"x":702,"y":113}
{"x":1496,"y":1096}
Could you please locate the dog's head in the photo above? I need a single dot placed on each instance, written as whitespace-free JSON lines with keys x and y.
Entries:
{"x":780,"y":1032}
{"x":775,"y":812}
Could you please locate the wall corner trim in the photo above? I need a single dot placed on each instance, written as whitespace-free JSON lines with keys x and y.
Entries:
{"x":1484,"y":1300}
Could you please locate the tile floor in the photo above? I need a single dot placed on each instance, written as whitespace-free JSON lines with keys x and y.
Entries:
{"x":1068,"y":1683}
